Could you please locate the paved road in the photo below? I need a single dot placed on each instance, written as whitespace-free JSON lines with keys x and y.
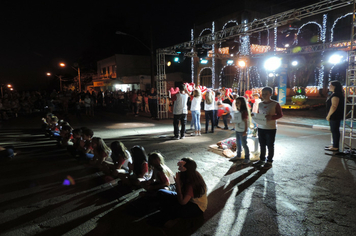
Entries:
{"x":307,"y":192}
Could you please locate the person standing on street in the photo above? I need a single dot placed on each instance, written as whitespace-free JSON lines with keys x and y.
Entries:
{"x":267,"y":132}
{"x":180,"y":111}
{"x":152,"y":101}
{"x":335,"y":108}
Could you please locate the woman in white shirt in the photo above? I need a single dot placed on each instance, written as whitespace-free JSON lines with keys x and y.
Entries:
{"x":209,"y":110}
{"x":195,"y":109}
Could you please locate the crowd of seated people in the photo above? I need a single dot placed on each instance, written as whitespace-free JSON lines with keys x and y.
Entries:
{"x":183,"y":192}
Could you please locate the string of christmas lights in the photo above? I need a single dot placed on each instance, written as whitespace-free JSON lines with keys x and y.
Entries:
{"x":308,"y":23}
{"x":275,"y":37}
{"x":332,"y":28}
{"x":204,"y":30}
{"x":201,"y":71}
{"x":222,"y":71}
{"x":323,"y":33}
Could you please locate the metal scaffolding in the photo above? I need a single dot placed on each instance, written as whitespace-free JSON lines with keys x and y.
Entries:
{"x":348,"y":129}
{"x":255,"y":26}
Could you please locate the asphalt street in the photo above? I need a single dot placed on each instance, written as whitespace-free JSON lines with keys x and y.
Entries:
{"x":307,"y":192}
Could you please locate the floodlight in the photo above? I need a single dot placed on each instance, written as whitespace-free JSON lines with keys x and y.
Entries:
{"x":335,"y":59}
{"x":273,"y":63}
{"x":294,"y":63}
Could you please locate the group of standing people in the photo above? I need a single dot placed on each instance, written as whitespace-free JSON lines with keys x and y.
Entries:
{"x":214,"y":107}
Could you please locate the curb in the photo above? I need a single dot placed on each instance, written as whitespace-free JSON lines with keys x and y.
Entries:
{"x":320,"y":127}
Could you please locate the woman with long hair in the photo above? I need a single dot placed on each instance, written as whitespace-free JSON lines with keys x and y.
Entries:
{"x":101,"y":151}
{"x":241,"y":129}
{"x":190,"y":199}
{"x":138,"y":169}
{"x":195,"y":109}
{"x":161,"y":175}
{"x":209,"y":109}
{"x":335,"y":108}
{"x":121,"y":158}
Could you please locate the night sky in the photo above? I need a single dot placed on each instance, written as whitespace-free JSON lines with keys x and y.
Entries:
{"x":35,"y":37}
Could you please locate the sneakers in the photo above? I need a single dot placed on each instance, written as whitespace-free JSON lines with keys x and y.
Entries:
{"x":182,"y":137}
{"x":175,"y":137}
{"x":199,"y":133}
{"x":259,"y":163}
{"x":267,"y":166}
{"x":194,"y":134}
{"x":218,"y":126}
{"x":236,"y":158}
{"x":246,"y":162}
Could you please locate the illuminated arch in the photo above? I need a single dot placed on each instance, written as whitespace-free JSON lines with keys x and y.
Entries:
{"x":309,"y":23}
{"x":199,"y":79}
{"x":332,"y":28}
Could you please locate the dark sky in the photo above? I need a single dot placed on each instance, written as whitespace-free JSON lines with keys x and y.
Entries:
{"x":35,"y":37}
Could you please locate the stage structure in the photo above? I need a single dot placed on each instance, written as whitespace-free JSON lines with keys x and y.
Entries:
{"x":189,"y":49}
{"x":348,"y":129}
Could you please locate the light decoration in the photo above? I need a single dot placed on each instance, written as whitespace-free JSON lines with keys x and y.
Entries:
{"x":332,"y":28}
{"x":206,"y":29}
{"x":213,"y":59}
{"x":275,"y":37}
{"x":308,"y":23}
{"x":267,"y":34}
{"x":192,"y":58}
{"x":245,"y":44}
{"x":222,"y":71}
{"x":323,"y":32}
{"x":224,"y":50}
{"x":230,"y":62}
{"x":230,"y":21}
{"x":331,"y":70}
{"x":199,"y":81}
{"x":260,"y":49}
{"x":255,"y":78}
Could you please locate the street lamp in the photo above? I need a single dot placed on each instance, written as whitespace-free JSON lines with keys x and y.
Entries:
{"x":9,"y":86}
{"x":60,"y":79}
{"x":76,"y":69}
{"x":149,"y":48}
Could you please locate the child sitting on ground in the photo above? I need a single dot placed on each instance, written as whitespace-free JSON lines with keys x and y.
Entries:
{"x":121,"y":158}
{"x":65,"y":135}
{"x":85,"y":147}
{"x":101,"y":152}
{"x":138,"y":169}
{"x":76,"y":139}
{"x":161,"y":174}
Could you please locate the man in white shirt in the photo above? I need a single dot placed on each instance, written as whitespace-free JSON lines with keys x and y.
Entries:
{"x":180,"y":111}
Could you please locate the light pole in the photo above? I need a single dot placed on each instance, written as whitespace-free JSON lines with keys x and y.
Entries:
{"x":76,"y":69}
{"x":149,"y":48}
{"x":60,"y":80}
{"x":9,"y":86}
